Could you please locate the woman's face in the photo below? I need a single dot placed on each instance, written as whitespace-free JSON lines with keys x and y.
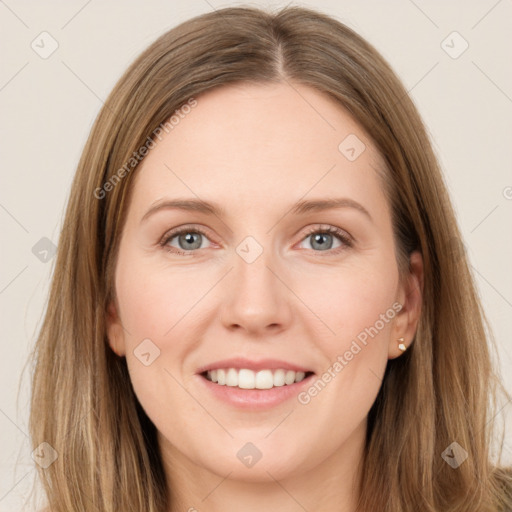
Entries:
{"x":271,"y":283}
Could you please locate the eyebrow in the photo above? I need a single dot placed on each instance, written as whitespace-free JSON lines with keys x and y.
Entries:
{"x":299,"y":208}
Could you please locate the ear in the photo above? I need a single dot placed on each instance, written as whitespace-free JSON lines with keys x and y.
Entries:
{"x":115,"y":332}
{"x":410,"y":295}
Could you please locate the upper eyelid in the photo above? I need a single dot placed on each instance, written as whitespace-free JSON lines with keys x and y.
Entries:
{"x":171,"y":233}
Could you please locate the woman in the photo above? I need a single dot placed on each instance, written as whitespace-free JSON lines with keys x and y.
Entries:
{"x":257,"y":297}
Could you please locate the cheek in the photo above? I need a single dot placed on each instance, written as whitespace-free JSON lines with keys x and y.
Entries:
{"x":156,"y":305}
{"x":153,"y":300}
{"x":358,"y":305}
{"x":350,"y":300}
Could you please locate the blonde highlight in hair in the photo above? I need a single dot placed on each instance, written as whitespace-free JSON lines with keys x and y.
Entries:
{"x":443,"y":389}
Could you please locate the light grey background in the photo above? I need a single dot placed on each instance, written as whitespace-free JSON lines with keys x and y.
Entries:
{"x":48,"y":107}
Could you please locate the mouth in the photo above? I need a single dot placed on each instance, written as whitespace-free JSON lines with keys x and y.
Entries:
{"x":244,"y":378}
{"x":253,"y":385}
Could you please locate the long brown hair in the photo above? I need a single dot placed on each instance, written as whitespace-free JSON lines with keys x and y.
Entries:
{"x":442,"y":390}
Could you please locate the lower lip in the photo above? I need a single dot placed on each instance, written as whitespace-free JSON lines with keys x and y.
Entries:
{"x":255,"y":399}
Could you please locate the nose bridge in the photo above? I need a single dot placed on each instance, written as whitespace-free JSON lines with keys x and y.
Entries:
{"x":256,"y":297}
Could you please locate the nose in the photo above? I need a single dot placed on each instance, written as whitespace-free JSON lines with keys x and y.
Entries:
{"x":257,"y":299}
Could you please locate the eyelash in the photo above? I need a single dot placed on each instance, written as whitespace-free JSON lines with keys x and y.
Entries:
{"x":342,"y":236}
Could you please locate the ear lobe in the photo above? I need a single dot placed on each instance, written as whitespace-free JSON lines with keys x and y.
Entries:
{"x":115,"y":332}
{"x":411,"y":295}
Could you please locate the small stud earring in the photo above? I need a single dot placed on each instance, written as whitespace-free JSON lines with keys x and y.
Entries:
{"x":401,"y":344}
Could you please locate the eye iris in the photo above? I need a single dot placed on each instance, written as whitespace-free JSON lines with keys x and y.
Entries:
{"x":319,"y":238}
{"x":189,"y":239}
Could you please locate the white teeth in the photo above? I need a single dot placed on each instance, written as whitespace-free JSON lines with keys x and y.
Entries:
{"x":264,"y":380}
{"x":289,"y":378}
{"x":248,"y":379}
{"x":232,"y":377}
{"x":278,"y":378}
{"x":299,"y":376}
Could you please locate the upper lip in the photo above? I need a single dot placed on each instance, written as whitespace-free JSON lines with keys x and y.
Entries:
{"x":255,"y":365}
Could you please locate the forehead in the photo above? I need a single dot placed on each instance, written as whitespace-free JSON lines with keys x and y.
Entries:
{"x":246,"y":143}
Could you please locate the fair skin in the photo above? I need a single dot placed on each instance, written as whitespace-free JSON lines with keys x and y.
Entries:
{"x":256,"y":150}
